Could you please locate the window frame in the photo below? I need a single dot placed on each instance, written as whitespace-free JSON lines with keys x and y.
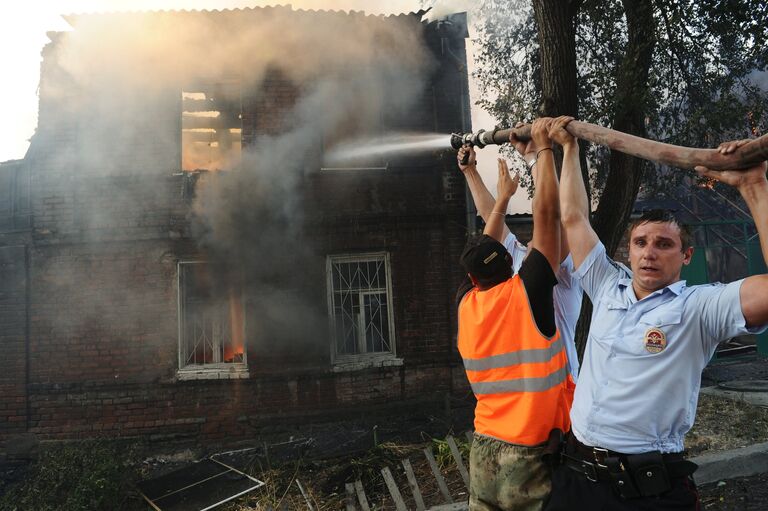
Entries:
{"x":206,"y":86}
{"x":214,"y":370}
{"x":368,"y":358}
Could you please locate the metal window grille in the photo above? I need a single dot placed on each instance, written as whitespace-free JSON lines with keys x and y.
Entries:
{"x":360,"y":304}
{"x":211,"y":327}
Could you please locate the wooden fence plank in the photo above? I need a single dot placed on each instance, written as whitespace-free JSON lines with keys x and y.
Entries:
{"x":413,"y":484}
{"x":304,"y":494}
{"x":393,"y":489}
{"x":459,"y":462}
{"x":350,"y":500}
{"x":438,"y":476}
{"x":361,"y":498}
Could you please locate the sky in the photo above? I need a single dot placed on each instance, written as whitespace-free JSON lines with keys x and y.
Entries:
{"x":23,"y":34}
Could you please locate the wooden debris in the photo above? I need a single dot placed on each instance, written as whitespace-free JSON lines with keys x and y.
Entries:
{"x":459,"y":462}
{"x":413,"y":484}
{"x":438,"y":476}
{"x":394,"y":491}
{"x":361,"y":498}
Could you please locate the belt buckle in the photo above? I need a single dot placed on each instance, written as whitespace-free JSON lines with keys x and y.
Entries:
{"x":599,"y":454}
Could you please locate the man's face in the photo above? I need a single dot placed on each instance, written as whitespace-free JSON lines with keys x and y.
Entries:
{"x":656,"y":256}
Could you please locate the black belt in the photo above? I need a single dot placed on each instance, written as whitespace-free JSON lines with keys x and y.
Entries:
{"x":632,"y":475}
{"x":597,"y":455}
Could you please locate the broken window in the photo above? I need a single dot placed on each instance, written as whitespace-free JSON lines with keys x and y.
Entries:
{"x":361,"y":305}
{"x":211,"y":127}
{"x":211,"y":320}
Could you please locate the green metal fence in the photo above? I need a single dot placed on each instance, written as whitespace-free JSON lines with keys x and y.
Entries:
{"x":725,"y":251}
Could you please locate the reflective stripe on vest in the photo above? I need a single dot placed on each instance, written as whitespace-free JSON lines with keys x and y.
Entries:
{"x":513,"y":358}
{"x":521,"y":384}
{"x":518,"y":375}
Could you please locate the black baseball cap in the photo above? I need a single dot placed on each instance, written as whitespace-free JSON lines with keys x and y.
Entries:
{"x":486,"y":258}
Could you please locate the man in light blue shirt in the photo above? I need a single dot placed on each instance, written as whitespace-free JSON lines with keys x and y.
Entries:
{"x":649,"y":340}
{"x":567,"y":293}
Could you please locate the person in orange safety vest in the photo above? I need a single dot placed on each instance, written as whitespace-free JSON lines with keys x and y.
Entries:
{"x":512,"y":352}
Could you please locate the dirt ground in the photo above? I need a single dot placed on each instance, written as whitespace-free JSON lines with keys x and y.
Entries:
{"x":726,"y":424}
{"x":742,"y":494}
{"x":720,"y":424}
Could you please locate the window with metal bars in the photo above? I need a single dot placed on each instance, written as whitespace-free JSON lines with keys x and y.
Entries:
{"x":360,"y":305}
{"x":211,"y":320}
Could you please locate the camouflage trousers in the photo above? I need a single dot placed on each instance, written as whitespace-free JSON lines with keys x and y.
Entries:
{"x":506,"y":477}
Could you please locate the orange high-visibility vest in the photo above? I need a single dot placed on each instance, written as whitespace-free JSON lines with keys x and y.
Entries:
{"x":519,"y":376}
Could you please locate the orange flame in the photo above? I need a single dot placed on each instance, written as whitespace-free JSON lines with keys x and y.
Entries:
{"x":233,"y":352}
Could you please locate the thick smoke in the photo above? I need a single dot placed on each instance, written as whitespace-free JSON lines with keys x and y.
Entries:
{"x":254,"y":218}
{"x":443,"y":8}
{"x":350,"y":71}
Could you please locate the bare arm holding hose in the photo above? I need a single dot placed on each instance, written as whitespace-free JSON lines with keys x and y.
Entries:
{"x":753,"y":187}
{"x":483,"y":199}
{"x":574,"y":204}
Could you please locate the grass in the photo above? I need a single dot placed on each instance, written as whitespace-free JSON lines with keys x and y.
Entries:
{"x":74,"y":476}
{"x":723,"y":423}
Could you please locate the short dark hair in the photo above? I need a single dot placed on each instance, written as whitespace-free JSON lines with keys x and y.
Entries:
{"x":664,"y":216}
{"x":487,"y":260}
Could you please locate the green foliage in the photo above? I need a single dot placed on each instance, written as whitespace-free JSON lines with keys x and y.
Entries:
{"x":79,"y":476}
{"x":443,"y":455}
{"x":704,"y":78}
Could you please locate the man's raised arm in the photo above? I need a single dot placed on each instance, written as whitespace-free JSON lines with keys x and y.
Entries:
{"x":574,"y":206}
{"x":546,"y":207}
{"x":483,"y":199}
{"x":753,"y":187}
{"x":495,"y":227}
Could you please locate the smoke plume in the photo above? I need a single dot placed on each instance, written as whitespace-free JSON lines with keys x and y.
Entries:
{"x":349,"y":71}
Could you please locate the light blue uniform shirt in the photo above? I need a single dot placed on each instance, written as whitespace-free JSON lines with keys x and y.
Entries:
{"x":638,"y":388}
{"x":566,"y":295}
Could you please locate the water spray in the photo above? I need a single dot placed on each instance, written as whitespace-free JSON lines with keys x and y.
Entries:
{"x":746,"y":156}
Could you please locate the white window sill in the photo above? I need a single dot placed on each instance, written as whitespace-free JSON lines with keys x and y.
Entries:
{"x":220,"y":372}
{"x":359,"y":362}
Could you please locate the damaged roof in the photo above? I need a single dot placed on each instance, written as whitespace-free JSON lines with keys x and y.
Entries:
{"x":73,"y":18}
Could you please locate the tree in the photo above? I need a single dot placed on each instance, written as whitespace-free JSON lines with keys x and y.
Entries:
{"x":680,"y":71}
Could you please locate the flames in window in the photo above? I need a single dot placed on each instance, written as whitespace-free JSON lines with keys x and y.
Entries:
{"x":212,"y":326}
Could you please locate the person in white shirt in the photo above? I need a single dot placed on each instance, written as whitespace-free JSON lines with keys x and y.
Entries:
{"x":650,"y":337}
{"x":567,"y":293}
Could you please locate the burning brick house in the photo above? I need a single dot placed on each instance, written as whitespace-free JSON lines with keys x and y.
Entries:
{"x":177,"y":257}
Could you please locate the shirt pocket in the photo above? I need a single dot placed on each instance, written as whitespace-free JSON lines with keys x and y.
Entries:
{"x":654,"y":331}
{"x":609,"y":315}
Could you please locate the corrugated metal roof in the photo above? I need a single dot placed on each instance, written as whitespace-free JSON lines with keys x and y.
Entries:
{"x":74,"y":17}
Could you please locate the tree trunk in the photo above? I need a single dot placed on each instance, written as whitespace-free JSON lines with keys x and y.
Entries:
{"x":556,"y":23}
{"x":632,"y":95}
{"x":557,"y":45}
{"x":626,"y":172}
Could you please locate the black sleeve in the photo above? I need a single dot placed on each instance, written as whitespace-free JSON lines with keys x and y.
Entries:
{"x":539,"y":280}
{"x":465,"y":286}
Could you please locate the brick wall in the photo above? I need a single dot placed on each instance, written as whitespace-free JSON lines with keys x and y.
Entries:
{"x":217,"y":411}
{"x":13,"y":320}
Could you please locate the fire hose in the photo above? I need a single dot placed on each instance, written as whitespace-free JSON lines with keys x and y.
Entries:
{"x":748,"y":155}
